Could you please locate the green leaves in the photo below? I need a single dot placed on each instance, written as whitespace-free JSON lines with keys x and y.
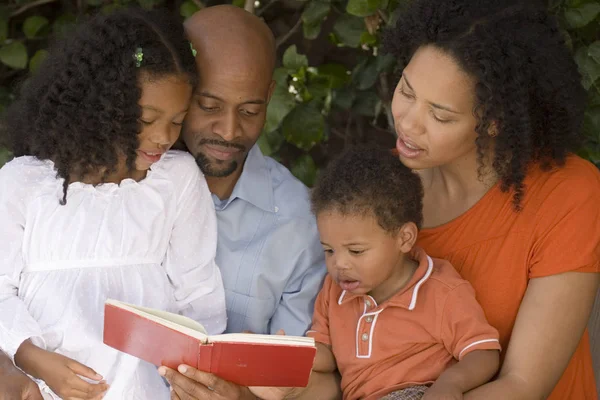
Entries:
{"x":312,"y":17}
{"x":349,"y":29}
{"x":294,"y":61}
{"x":304,"y":126}
{"x":588,"y":66}
{"x":363,"y":8}
{"x":14,"y":55}
{"x":33,"y":25}
{"x":582,"y":15}
{"x":304,"y":168}
{"x":36,"y":60}
{"x":188,"y":8}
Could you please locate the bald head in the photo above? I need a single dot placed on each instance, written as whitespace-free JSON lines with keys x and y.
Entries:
{"x":231,"y":35}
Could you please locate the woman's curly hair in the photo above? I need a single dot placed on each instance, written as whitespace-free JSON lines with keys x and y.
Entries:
{"x":81,"y":109}
{"x":527,"y":83}
{"x":369,"y":181}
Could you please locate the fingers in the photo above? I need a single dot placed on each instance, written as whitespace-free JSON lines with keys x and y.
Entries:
{"x":280,"y":332}
{"x":194,"y":383}
{"x":83,"y":370}
{"x":78,"y":388}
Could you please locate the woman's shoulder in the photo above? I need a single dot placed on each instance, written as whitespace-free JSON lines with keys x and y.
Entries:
{"x":575,"y":181}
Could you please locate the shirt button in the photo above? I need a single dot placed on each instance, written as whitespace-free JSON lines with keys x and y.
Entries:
{"x":276,"y":209}
{"x":369,"y":319}
{"x":365,"y":337}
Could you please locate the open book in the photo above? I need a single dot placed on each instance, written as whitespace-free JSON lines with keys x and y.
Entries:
{"x":164,"y":338}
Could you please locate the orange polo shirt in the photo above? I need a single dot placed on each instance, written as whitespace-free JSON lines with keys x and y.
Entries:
{"x":409,"y":339}
{"x":499,"y":250}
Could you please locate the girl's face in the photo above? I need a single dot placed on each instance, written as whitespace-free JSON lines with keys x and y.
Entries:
{"x":433,"y":111}
{"x":164,"y":104}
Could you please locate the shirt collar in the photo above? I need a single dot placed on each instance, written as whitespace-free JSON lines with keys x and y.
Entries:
{"x":407,"y":297}
{"x":254,"y":184}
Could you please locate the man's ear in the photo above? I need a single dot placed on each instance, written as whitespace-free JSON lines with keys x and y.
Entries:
{"x":407,"y":237}
{"x":271,"y":89}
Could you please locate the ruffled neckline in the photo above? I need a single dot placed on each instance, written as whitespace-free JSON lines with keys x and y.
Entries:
{"x":108,"y":187}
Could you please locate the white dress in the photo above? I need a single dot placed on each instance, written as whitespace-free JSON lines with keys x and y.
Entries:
{"x":150,"y":243}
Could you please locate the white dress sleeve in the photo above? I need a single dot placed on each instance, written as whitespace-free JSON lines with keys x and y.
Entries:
{"x":190,"y":259}
{"x":16,"y":324}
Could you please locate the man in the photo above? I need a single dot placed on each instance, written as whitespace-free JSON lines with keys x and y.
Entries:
{"x":268,"y":247}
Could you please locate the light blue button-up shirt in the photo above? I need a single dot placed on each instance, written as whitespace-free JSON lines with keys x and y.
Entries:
{"x":268,"y":250}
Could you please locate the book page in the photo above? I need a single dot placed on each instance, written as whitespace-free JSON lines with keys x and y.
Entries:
{"x":263,"y":339}
{"x":171,"y":320}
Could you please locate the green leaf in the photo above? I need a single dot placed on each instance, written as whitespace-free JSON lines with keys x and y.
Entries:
{"x":349,"y":29}
{"x":33,"y":25}
{"x":363,"y":8}
{"x":594,"y":51}
{"x":281,"y":103}
{"x":315,"y":12}
{"x":588,"y":67}
{"x":337,"y":74}
{"x":36,"y":60}
{"x":304,"y":126}
{"x":3,"y":23}
{"x":304,"y":168}
{"x":270,"y":143}
{"x":292,"y":60}
{"x":14,"y":55}
{"x":5,"y":156}
{"x":365,"y":74}
{"x":64,"y":24}
{"x":239,"y":3}
{"x":94,"y":3}
{"x":280,"y":76}
{"x":188,"y":8}
{"x":311,"y":31}
{"x":368,"y":39}
{"x":581,"y":16}
{"x":385,"y":62}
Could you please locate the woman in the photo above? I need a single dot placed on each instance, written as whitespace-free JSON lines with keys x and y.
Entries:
{"x":488,"y":110}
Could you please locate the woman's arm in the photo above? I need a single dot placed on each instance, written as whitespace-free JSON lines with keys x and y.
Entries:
{"x":551,"y":320}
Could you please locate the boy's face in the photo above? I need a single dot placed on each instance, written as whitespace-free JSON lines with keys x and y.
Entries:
{"x":361,"y":257}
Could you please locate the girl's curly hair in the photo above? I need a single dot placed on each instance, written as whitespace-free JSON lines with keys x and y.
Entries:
{"x":527,"y":82}
{"x":81,"y":108}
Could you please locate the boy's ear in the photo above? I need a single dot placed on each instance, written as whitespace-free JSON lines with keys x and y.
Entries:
{"x":407,"y":237}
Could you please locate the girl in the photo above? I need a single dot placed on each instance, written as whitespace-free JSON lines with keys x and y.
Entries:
{"x":94,"y":206}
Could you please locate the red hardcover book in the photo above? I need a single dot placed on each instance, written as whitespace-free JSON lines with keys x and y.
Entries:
{"x":164,"y":338}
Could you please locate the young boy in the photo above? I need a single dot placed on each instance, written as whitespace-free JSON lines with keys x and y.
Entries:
{"x":391,"y":319}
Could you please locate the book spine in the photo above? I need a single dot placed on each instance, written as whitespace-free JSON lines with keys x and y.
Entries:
{"x":205,"y":354}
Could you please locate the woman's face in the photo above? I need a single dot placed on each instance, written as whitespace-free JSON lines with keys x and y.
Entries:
{"x":164,"y":103}
{"x":433,"y":112}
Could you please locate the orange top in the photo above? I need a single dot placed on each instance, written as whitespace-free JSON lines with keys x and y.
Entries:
{"x":409,"y":339}
{"x":498,"y":250}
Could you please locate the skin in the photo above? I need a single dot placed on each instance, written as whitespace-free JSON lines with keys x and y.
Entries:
{"x":164,"y":105}
{"x":555,"y":310}
{"x":235,"y":59}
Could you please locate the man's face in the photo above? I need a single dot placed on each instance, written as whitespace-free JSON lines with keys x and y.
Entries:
{"x":226,"y":115}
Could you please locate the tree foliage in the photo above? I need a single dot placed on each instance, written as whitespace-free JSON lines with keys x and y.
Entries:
{"x":333,"y":81}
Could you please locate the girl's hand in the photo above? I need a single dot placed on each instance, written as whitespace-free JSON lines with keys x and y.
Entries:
{"x":61,"y":374}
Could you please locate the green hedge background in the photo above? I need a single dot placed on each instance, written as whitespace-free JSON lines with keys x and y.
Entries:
{"x":333,"y":82}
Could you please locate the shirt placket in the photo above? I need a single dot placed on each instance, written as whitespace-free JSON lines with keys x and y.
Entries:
{"x":365,"y":329}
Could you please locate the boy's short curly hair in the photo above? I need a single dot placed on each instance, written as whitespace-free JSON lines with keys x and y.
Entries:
{"x":527,"y":82}
{"x":370,"y":181}
{"x":81,"y":108}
